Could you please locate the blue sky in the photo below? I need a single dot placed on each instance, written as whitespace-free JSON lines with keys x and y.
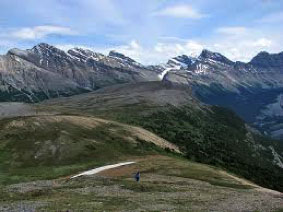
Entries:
{"x":150,"y":31}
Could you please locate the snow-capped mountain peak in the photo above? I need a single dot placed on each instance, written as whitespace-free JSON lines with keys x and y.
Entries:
{"x":214,"y":56}
{"x":46,"y":50}
{"x":118,"y":55}
{"x":84,"y":54}
{"x":182,"y":61}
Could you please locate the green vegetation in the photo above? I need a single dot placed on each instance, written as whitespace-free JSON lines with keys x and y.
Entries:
{"x":207,"y":134}
{"x":51,"y":147}
{"x":35,"y":148}
{"x":167,"y":182}
{"x":214,"y":136}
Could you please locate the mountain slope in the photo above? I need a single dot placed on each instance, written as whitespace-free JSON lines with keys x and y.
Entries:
{"x":167,"y":184}
{"x":49,"y":146}
{"x":63,"y":136}
{"x":204,"y":133}
{"x":253,"y":90}
{"x":144,"y":96}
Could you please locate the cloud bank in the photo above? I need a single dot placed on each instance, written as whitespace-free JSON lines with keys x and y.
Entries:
{"x":180,"y":11}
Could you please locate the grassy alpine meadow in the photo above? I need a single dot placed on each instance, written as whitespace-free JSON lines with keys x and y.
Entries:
{"x":206,"y":134}
{"x":168,"y":182}
{"x":48,"y":147}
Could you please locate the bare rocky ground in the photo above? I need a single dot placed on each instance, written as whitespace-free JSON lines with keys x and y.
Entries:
{"x":167,"y":184}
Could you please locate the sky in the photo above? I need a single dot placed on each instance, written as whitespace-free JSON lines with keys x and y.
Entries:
{"x":149,"y":31}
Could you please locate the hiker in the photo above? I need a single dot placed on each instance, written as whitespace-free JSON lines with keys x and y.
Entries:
{"x":137,"y":176}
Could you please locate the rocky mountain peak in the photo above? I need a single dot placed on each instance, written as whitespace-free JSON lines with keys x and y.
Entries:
{"x":45,"y":51}
{"x":206,"y":54}
{"x":181,"y":61}
{"x":17,"y":52}
{"x":84,"y":54}
{"x":266,"y":60}
{"x":40,"y":51}
{"x":184,"y":59}
{"x":80,"y":51}
{"x":119,"y":55}
{"x":44,"y":47}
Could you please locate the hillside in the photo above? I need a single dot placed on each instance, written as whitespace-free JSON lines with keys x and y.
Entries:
{"x":44,"y":144}
{"x":204,"y":133}
{"x":167,"y":183}
{"x":42,"y":147}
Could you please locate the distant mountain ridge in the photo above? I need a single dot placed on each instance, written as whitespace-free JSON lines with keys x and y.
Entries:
{"x":46,"y":71}
{"x":253,"y":90}
{"x":261,"y":61}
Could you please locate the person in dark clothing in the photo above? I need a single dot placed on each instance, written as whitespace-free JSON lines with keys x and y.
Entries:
{"x":137,"y":176}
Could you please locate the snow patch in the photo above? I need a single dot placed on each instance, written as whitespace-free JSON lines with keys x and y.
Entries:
{"x":201,"y":68}
{"x":177,"y":64}
{"x":17,"y":59}
{"x":161,"y":76}
{"x":100,"y":169}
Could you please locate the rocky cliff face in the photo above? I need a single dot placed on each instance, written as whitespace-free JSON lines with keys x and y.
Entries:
{"x":46,"y":71}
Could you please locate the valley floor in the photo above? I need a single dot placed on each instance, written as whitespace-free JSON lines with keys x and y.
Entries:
{"x":168,"y":183}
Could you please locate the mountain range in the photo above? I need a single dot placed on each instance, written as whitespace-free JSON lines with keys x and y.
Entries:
{"x":46,"y":71}
{"x":126,"y":111}
{"x":253,"y":90}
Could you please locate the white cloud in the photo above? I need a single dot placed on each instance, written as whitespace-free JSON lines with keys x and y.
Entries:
{"x":180,"y":11}
{"x":160,"y":52}
{"x":262,"y":42}
{"x":66,"y":47}
{"x":232,"y":30}
{"x":5,"y":45}
{"x":156,"y":54}
{"x":241,"y":43}
{"x":236,"y":43}
{"x":234,"y":49}
{"x":37,"y":32}
{"x":241,"y":49}
{"x":134,"y":44}
{"x":102,"y":12}
{"x":188,"y":47}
